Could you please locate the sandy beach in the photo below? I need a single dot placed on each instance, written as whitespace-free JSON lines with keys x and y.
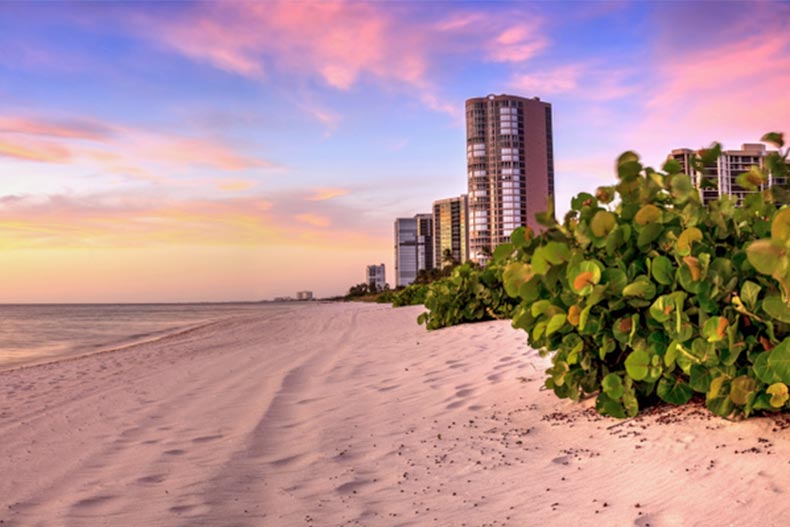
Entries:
{"x":352,"y":414}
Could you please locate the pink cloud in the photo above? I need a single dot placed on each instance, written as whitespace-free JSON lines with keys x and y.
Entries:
{"x":324,"y":194}
{"x":587,"y":81}
{"x":186,"y":151}
{"x":733,"y":93}
{"x":344,"y":43}
{"x":72,"y":129}
{"x":517,"y":44}
{"x":119,"y":149}
{"x":154,"y":220}
{"x":32,"y":150}
{"x":234,"y":185}
{"x":313,"y":220}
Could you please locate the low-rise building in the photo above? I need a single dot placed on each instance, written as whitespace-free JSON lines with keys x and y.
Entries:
{"x":304,"y":295}
{"x":721,"y":177}
{"x":375,"y":276}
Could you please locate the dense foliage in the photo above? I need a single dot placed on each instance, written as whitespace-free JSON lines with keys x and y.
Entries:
{"x":411,"y":295}
{"x":471,"y":293}
{"x":657,"y":296}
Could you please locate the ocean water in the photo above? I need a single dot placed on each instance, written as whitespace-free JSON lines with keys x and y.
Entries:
{"x":32,"y":334}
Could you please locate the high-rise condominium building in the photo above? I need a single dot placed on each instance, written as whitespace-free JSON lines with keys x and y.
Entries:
{"x":413,"y":247}
{"x":425,"y":254}
{"x":450,"y":230}
{"x":722,"y":175}
{"x":375,"y":276}
{"x":510,"y":167}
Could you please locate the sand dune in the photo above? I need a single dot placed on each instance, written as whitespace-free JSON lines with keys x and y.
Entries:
{"x":351,"y":414}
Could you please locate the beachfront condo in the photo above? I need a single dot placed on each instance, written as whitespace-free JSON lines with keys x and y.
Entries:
{"x":721,"y":178}
{"x":510,"y":167}
{"x":413,"y":247}
{"x":450,"y":230}
{"x":375,"y":276}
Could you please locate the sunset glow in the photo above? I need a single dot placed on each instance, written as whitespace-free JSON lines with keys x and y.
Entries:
{"x":193,"y":151}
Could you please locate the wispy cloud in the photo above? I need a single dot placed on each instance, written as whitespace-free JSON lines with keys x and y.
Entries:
{"x":32,"y":150}
{"x":150,"y":219}
{"x":117,"y":148}
{"x":324,"y":194}
{"x":589,"y":81}
{"x":731,"y":93}
{"x":314,"y":220}
{"x":69,"y":128}
{"x":342,"y":44}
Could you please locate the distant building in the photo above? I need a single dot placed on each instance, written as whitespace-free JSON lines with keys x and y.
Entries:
{"x":450,"y":230}
{"x":510,"y":167}
{"x":304,"y":295}
{"x":375,"y":276}
{"x":283,"y":299}
{"x":413,"y":247}
{"x":425,"y":254}
{"x":720,"y":178}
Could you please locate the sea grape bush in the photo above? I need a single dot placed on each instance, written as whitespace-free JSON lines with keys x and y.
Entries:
{"x":643,"y":293}
{"x":411,"y":295}
{"x":471,"y":293}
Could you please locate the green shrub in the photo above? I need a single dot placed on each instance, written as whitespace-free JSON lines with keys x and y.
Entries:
{"x":385,"y":297}
{"x":411,"y":295}
{"x":656,"y":296}
{"x":471,"y":293}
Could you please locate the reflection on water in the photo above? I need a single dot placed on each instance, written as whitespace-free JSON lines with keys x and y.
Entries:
{"x":38,"y":333}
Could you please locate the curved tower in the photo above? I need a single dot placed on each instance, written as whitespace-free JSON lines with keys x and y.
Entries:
{"x":510,"y":168}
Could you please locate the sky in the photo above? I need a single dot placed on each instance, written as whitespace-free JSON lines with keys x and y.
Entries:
{"x":218,"y":151}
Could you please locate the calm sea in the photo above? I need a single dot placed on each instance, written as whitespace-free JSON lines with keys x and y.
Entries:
{"x":40,"y":333}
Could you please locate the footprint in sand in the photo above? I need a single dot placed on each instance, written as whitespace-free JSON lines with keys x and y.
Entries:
{"x":152,"y":479}
{"x":351,"y":486}
{"x":206,"y":439}
{"x":93,"y":501}
{"x":174,"y":452}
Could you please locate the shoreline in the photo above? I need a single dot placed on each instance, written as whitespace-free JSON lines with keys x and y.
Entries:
{"x":352,"y":414}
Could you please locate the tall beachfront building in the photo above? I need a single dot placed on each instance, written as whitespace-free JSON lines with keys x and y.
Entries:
{"x":722,"y":176}
{"x":510,"y":167}
{"x":413,"y":247}
{"x":450,"y":230}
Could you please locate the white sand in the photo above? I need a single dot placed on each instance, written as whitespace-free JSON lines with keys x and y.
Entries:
{"x":353,"y":415}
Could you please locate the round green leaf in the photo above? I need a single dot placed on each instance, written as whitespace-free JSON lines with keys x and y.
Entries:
{"x":602,"y":223}
{"x":686,"y":238}
{"x":741,"y":388}
{"x":615,"y":280}
{"x":649,"y":234}
{"x":642,"y":287}
{"x":637,"y":365}
{"x":515,"y":275}
{"x":776,"y":308}
{"x":556,"y":252}
{"x":604,"y":405}
{"x":763,"y":371}
{"x":612,"y":385}
{"x":647,"y":214}
{"x":583,"y":276}
{"x":780,"y":227}
{"x":674,"y":391}
{"x":779,"y":394}
{"x":779,"y":360}
{"x":555,"y":323}
{"x":715,"y":329}
{"x":764,"y":256}
{"x":662,"y":270}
